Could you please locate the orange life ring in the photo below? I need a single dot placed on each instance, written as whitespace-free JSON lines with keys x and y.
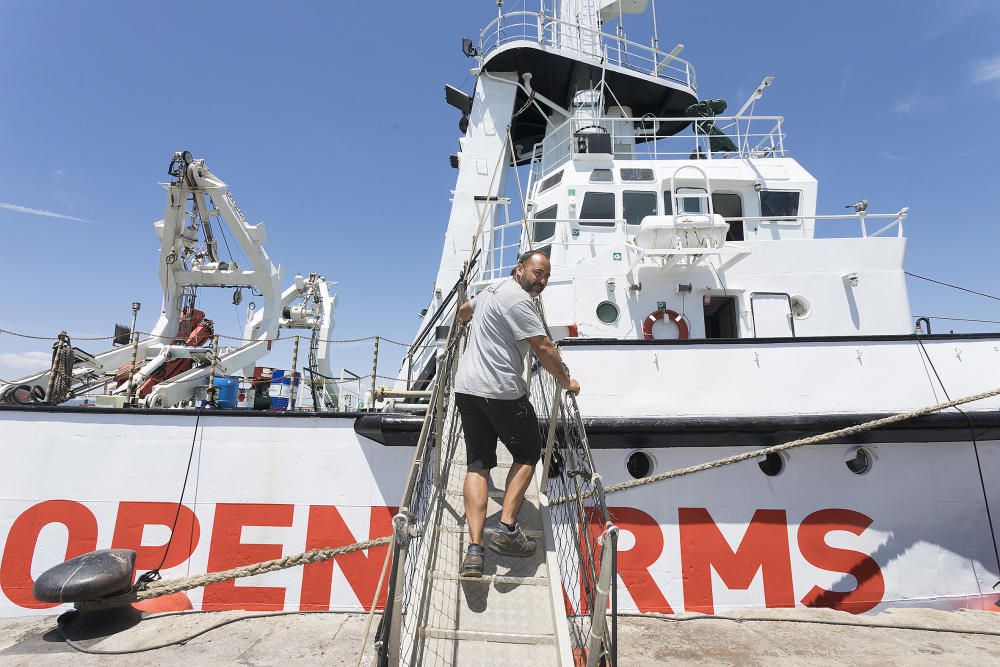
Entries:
{"x":656,"y":316}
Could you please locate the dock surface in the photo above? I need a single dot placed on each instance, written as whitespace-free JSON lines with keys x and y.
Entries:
{"x":333,"y":639}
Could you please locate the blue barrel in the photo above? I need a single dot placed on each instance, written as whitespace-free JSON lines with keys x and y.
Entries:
{"x":226,"y":390}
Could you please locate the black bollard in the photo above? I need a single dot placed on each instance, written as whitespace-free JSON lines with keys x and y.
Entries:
{"x":88,"y":577}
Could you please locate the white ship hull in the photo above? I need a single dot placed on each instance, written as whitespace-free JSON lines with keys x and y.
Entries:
{"x":913,"y":531}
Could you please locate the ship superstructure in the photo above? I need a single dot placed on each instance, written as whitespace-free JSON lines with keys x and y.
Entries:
{"x":667,"y":222}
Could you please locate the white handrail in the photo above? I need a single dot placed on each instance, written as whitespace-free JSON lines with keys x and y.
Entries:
{"x":756,"y":137}
{"x":541,"y":30}
{"x":842,"y":216}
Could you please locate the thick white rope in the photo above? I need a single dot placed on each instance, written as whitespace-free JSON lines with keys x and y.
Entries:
{"x":758,"y":453}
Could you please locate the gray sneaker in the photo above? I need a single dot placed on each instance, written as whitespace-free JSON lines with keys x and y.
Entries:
{"x":512,"y":544}
{"x":472,"y":564}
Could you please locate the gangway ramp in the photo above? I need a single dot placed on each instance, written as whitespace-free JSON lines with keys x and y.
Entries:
{"x":505,"y":617}
{"x":548,"y":609}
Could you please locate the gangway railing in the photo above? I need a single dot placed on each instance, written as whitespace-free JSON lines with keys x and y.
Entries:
{"x":409,"y":578}
{"x":582,"y":536}
{"x":586,"y":540}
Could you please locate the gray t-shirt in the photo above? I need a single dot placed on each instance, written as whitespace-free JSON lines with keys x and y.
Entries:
{"x":493,"y":363}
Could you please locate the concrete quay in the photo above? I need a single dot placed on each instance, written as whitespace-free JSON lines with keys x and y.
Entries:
{"x":760,"y":637}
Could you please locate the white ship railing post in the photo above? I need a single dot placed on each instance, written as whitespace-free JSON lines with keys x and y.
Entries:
{"x":401,"y":533}
{"x":550,"y":440}
{"x":599,"y":618}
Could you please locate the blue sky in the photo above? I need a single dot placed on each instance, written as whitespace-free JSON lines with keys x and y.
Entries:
{"x":328,"y":122}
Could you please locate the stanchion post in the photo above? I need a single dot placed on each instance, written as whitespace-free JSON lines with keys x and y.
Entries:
{"x":374,"y":373}
{"x":136,"y":306}
{"x":438,"y":408}
{"x":395,"y":615}
{"x":291,"y":380}
{"x":614,"y":599}
{"x":550,"y":439}
{"x":409,"y":371}
{"x":210,"y":394}
{"x":599,"y":619}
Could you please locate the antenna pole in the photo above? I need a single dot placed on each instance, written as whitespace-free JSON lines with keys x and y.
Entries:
{"x":656,"y":34}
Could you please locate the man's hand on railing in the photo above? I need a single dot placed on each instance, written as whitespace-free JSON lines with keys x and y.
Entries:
{"x":572,"y":386}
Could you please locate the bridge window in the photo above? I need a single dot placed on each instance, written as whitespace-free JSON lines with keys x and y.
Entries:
{"x":637,"y":205}
{"x":778,"y":203}
{"x":601,"y":176}
{"x":693,"y":200}
{"x":541,"y":229}
{"x":637,"y":175}
{"x":598,"y":209}
{"x":730,"y":205}
{"x":553,"y":180}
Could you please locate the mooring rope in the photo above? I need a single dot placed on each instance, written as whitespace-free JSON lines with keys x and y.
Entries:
{"x":170,"y":586}
{"x":757,"y":453}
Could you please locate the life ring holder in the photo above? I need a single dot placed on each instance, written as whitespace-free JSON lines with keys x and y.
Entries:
{"x":656,"y":316}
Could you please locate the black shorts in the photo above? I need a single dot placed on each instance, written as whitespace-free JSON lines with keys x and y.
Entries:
{"x":484,"y":420}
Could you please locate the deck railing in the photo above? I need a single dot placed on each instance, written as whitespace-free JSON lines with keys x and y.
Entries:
{"x":505,"y":241}
{"x":885,"y":222}
{"x":751,"y":137}
{"x":614,"y":49}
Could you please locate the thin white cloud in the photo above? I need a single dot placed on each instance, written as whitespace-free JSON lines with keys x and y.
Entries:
{"x":17,"y":364}
{"x":904,"y":107}
{"x":845,"y":80}
{"x":986,"y":71}
{"x":42,"y":212}
{"x":914,"y":102}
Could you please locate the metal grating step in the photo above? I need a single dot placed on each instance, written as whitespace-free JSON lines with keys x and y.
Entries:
{"x":495,"y":494}
{"x":452,"y":545}
{"x":533,"y":534}
{"x":452,"y":652}
{"x":481,"y":636}
{"x":492,"y":579}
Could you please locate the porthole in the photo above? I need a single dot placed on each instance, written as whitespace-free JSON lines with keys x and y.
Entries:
{"x":859,"y":461}
{"x":639,"y":464}
{"x":772,"y":465}
{"x":799,"y":307}
{"x":607,"y":312}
